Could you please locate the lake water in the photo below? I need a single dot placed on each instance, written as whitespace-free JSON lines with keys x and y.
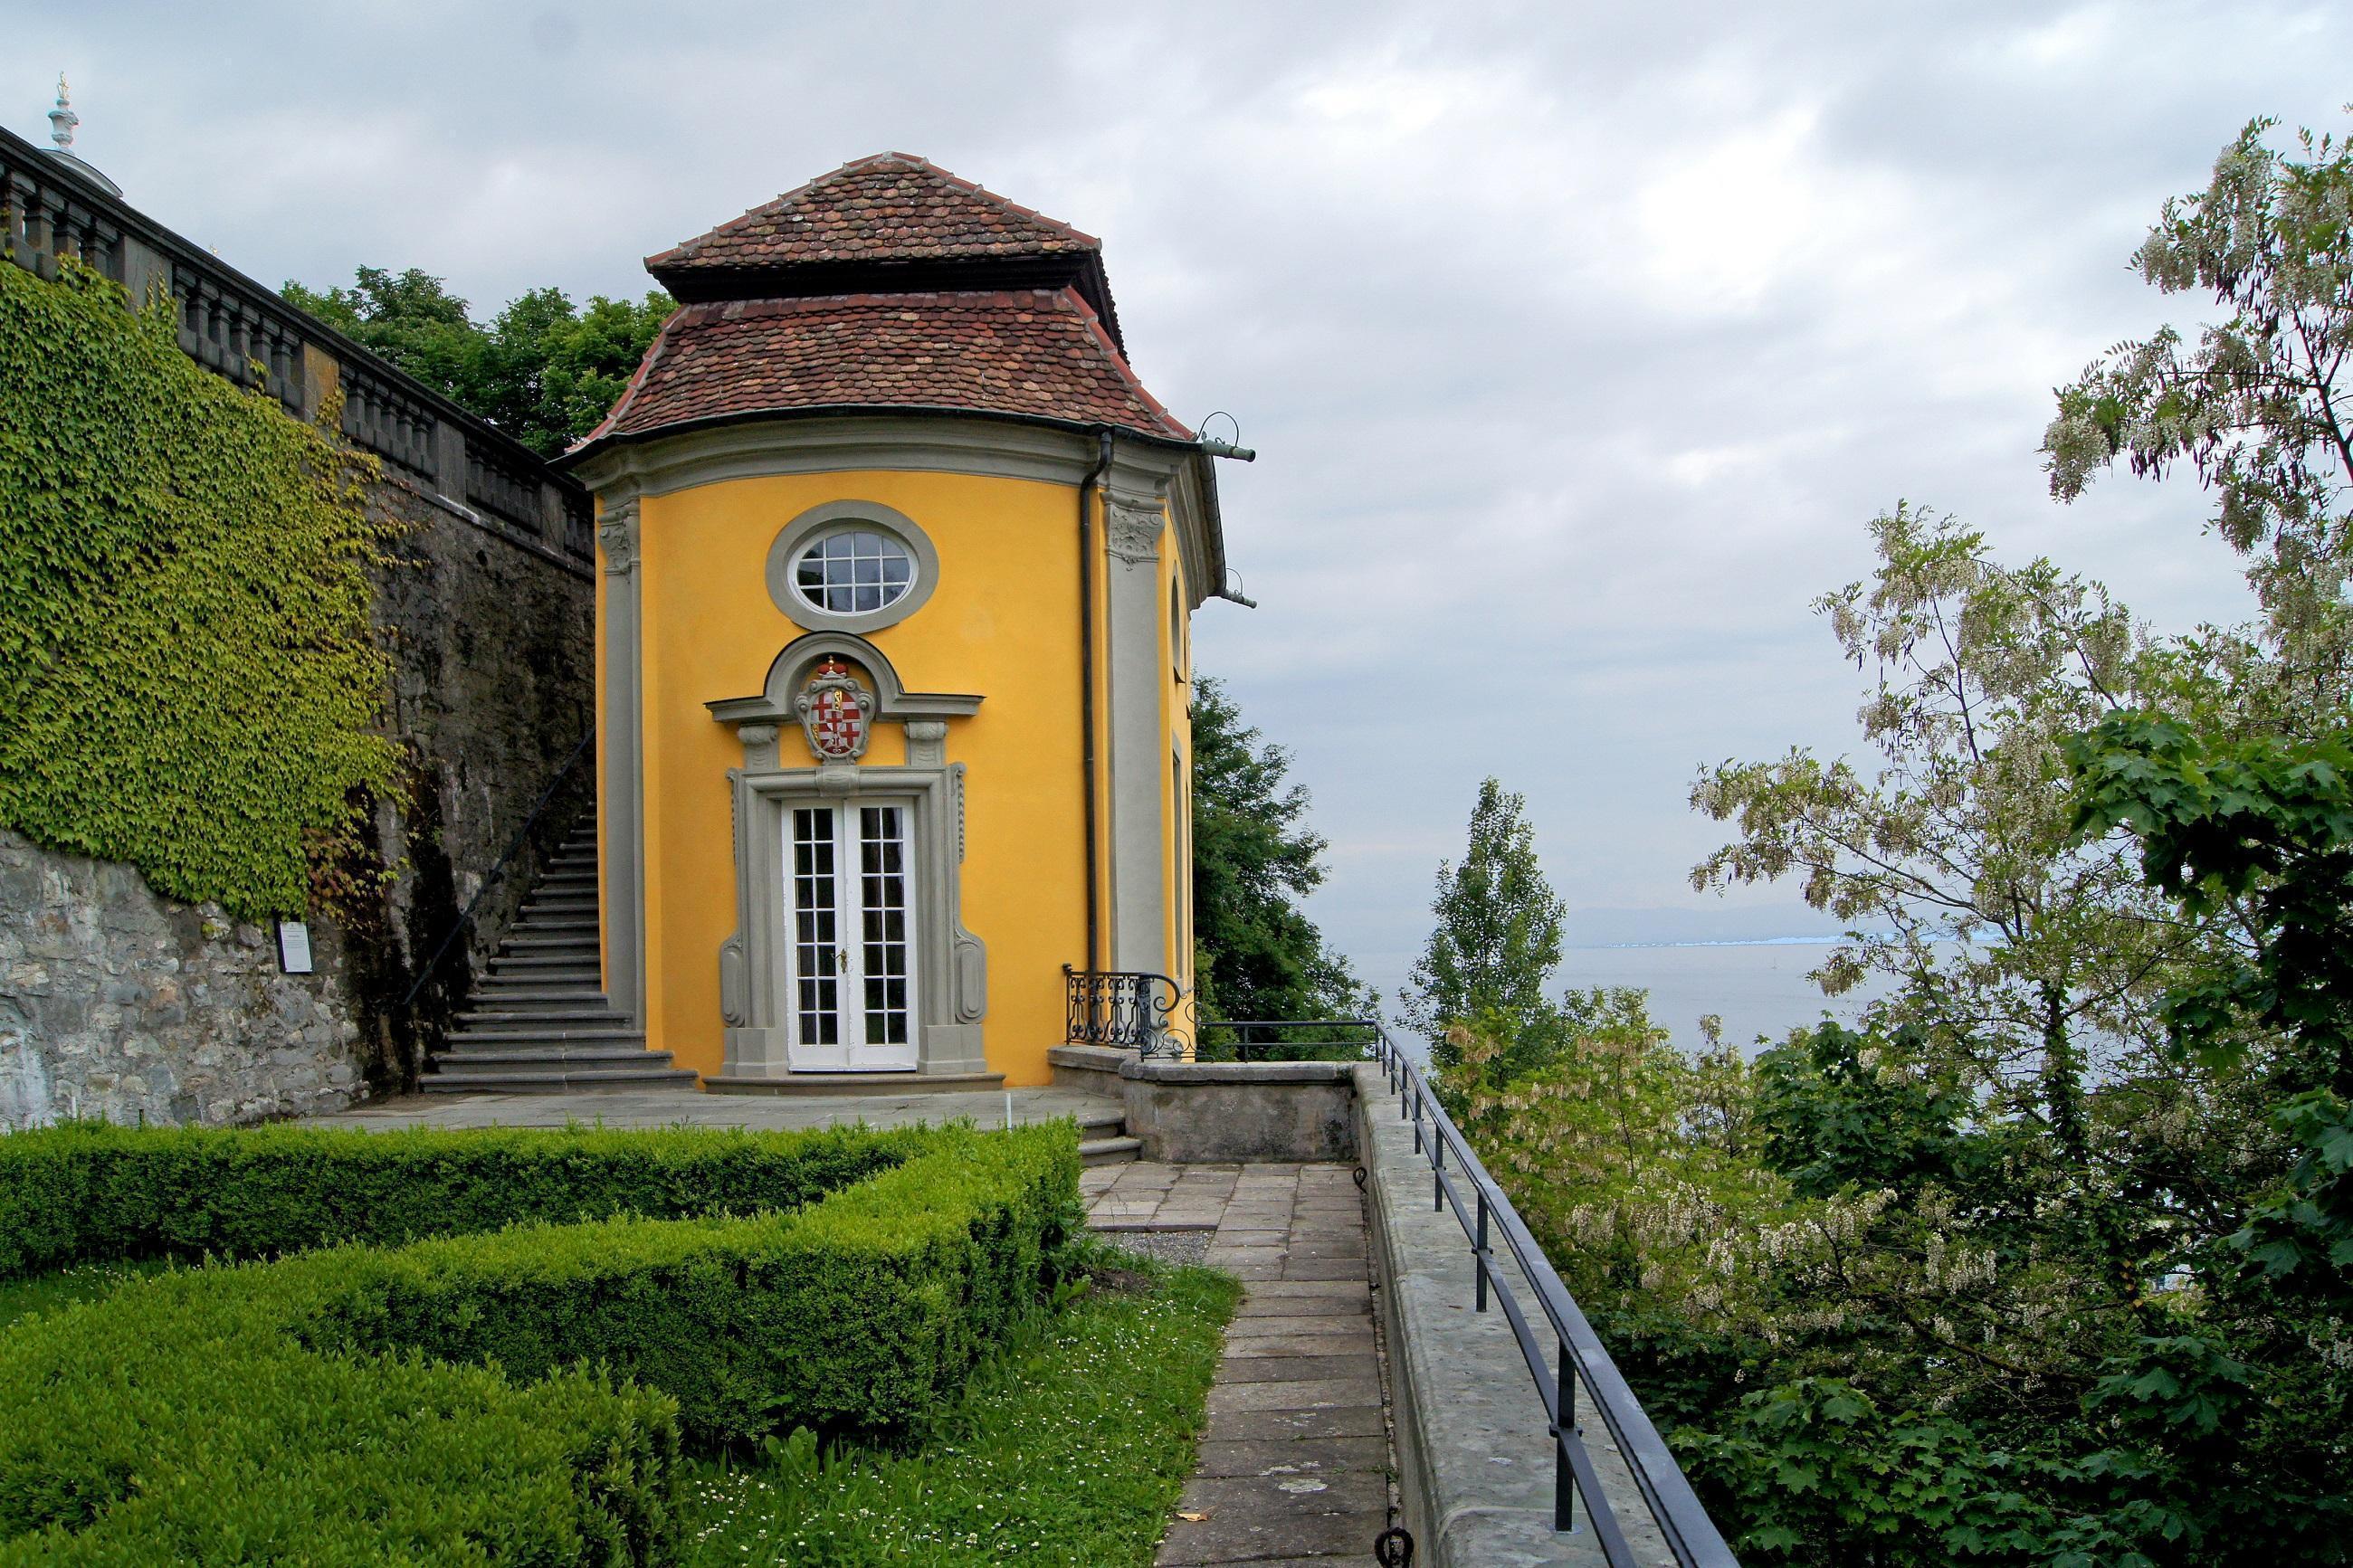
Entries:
{"x":1757,"y":987}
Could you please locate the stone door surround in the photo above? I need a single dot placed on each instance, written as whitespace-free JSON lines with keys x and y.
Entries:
{"x":952,"y":965}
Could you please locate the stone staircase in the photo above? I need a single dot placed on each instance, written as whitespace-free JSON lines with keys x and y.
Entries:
{"x":1103,"y":1137}
{"x":539,"y":1023}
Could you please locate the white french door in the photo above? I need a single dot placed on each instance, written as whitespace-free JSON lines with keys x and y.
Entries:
{"x":850,"y":953}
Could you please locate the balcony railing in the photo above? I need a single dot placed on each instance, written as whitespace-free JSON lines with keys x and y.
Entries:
{"x":1459,"y":1181}
{"x":1288,"y":1039}
{"x":1125,"y":1010}
{"x":50,"y":212}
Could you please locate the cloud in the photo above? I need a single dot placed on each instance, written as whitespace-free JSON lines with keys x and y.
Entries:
{"x":1579,"y":341}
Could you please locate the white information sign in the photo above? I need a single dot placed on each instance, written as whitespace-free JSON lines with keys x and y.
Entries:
{"x":294,"y":947}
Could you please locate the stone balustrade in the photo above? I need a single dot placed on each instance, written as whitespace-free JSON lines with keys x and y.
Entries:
{"x":50,"y":212}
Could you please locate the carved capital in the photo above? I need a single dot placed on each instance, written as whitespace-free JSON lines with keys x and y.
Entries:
{"x":617,"y":536}
{"x":1134,"y":535}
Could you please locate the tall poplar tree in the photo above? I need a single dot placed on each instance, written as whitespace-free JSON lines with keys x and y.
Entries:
{"x":1497,"y":940}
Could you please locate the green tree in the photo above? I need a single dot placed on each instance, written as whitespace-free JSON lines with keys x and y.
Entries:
{"x":1496,"y":942}
{"x":543,"y":370}
{"x":2256,"y":407}
{"x":1257,"y":954}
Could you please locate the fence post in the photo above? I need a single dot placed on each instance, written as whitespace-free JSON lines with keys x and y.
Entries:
{"x":1564,"y":1479}
{"x":1481,"y":1259}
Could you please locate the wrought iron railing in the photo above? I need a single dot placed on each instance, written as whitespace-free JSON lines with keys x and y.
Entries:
{"x":1126,"y":1010}
{"x":1459,"y":1181}
{"x":1280,"y":1039}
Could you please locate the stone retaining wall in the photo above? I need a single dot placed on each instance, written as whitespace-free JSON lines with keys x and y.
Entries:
{"x":115,"y":1001}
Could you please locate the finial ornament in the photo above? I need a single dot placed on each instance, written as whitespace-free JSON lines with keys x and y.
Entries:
{"x":62,"y":119}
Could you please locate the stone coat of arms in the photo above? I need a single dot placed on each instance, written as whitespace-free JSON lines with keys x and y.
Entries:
{"x":836,"y":713}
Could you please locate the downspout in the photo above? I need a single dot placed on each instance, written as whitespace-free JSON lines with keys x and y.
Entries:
{"x":1097,"y":481}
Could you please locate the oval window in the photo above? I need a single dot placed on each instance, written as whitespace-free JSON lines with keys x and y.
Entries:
{"x":853,"y":572}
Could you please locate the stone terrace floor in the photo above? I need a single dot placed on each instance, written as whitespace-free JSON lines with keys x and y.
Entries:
{"x":692,"y":1108}
{"x":1294,"y":1467}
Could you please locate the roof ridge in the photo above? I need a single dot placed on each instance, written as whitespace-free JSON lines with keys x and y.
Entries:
{"x":636,"y":380}
{"x":685,"y":252}
{"x":1119,"y":359}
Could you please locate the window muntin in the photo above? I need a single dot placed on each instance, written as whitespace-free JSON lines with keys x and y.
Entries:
{"x":853,"y":572}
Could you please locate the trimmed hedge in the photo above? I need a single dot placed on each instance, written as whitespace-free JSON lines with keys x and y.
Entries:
{"x":92,"y":1192}
{"x":307,"y":1408}
{"x":855,"y":1316}
{"x":199,"y":1433}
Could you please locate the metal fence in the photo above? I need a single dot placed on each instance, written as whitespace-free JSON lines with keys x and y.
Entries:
{"x":1126,"y":1010}
{"x":1280,"y":1039}
{"x":1460,"y":1182}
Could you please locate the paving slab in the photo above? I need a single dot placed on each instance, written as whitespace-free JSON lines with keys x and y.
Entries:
{"x":1292,"y":1455}
{"x":1345,"y":1362}
{"x":1254,"y":1425}
{"x":1247,"y":1518}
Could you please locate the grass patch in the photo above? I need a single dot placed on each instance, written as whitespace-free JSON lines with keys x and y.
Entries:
{"x":1069,"y":1445}
{"x":64,"y":1287}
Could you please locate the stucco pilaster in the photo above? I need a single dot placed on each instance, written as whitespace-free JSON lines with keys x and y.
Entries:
{"x":1137,"y":842}
{"x":620,"y":746}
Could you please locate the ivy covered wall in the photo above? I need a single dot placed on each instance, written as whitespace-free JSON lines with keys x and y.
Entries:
{"x":188,"y":681}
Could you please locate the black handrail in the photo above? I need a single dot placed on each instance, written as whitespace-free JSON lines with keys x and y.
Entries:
{"x":1689,"y":1533}
{"x":1125,"y":1009}
{"x":515,"y":847}
{"x":1243,"y":1027}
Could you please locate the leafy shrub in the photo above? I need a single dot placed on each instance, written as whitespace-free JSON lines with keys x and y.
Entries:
{"x":89,"y":1192}
{"x":178,"y":1426}
{"x":859,"y":1314}
{"x":245,"y":1413}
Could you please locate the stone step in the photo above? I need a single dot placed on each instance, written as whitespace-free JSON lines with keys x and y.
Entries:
{"x":574,"y":1080}
{"x":820,"y":1083}
{"x":500,"y":1014}
{"x":527,"y":939}
{"x":543,"y":963}
{"x":566,"y":920}
{"x":480,"y":1033}
{"x":1119,"y":1150}
{"x":537,"y":987}
{"x":550,"y":1056}
{"x":581,"y":876}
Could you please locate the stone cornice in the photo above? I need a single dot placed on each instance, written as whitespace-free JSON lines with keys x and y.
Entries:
{"x":923,"y":441}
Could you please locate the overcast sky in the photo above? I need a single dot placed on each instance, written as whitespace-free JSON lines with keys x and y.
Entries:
{"x":1579,"y":341}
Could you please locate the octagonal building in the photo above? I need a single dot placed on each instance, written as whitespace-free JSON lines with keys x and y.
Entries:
{"x":899,"y":558}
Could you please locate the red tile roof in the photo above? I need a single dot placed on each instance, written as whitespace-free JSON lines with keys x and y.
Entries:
{"x":892,"y":207}
{"x":1038,"y":352}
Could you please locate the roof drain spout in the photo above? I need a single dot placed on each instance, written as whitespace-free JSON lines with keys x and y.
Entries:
{"x":1097,"y":482}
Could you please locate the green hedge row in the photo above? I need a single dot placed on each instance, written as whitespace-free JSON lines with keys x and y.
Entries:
{"x":181,"y":1426}
{"x":856,"y":1315}
{"x":92,"y":1192}
{"x":309,"y":1408}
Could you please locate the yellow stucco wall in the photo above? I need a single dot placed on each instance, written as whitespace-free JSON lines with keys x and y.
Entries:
{"x":1002,"y":622}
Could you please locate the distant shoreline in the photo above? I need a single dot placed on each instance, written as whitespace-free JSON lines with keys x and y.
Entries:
{"x":1721,"y":942}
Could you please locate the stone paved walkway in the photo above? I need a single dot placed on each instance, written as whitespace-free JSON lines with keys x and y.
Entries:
{"x":692,"y":1108}
{"x":1294,"y":1467}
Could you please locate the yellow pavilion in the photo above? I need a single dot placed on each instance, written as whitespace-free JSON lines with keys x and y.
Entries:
{"x":898,"y":559}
